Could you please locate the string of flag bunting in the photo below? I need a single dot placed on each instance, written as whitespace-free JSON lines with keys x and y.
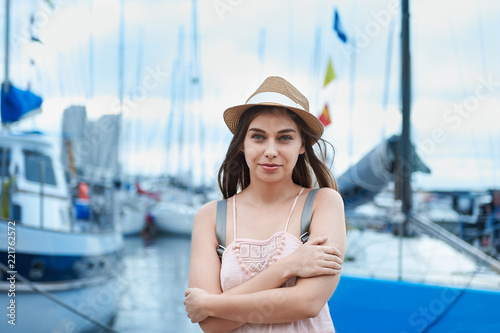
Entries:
{"x":330,"y":75}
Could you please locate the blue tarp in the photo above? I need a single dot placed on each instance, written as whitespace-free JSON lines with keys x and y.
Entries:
{"x":17,"y":104}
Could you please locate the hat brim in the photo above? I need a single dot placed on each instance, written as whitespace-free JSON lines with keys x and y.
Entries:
{"x":232,"y":116}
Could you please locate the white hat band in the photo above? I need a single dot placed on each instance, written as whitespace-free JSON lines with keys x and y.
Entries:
{"x":273,"y":97}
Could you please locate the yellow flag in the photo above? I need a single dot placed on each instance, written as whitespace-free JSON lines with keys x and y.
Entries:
{"x":330,"y":73}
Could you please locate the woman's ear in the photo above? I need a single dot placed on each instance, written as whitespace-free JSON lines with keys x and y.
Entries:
{"x":302,"y":148}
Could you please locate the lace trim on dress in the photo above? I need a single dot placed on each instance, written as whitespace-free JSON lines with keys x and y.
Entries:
{"x":254,"y":256}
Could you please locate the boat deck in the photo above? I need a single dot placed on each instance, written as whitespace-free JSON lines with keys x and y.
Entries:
{"x":423,"y":260}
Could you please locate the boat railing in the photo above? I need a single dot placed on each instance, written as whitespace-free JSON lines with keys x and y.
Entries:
{"x":487,"y":239}
{"x":3,"y":185}
{"x":434,"y":230}
{"x":42,"y":183}
{"x":96,"y":231}
{"x":101,"y":219}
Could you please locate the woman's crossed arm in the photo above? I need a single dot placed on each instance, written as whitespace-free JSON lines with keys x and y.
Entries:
{"x":259,"y":300}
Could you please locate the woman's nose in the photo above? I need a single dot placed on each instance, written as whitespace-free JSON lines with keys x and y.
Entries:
{"x":271,"y":150}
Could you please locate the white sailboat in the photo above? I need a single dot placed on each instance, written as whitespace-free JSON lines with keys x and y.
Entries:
{"x":57,"y":273}
{"x":94,"y":150}
{"x":90,"y":155}
{"x":403,"y":281}
{"x":186,"y":189}
{"x":49,"y":252}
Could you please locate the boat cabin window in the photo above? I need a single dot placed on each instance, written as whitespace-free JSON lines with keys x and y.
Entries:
{"x":35,"y":163}
{"x":4,"y":161}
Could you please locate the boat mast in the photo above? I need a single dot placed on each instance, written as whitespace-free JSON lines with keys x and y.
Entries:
{"x":121,"y":42}
{"x":6,"y":84}
{"x":404,"y":168}
{"x":196,"y":95}
{"x":121,"y":84}
{"x":195,"y":75}
{"x":5,"y":89}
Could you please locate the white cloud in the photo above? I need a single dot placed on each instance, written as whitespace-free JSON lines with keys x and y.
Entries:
{"x":453,"y":46}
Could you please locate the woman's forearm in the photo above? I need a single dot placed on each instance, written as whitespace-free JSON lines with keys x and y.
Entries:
{"x":278,"y":305}
{"x":272,"y":277}
{"x":219,"y":325}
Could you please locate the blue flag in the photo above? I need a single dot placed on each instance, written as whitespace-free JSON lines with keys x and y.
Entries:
{"x":36,"y":39}
{"x":337,"y":26}
{"x":17,"y":104}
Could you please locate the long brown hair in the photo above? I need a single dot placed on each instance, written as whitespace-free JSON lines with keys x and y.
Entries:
{"x":234,"y":173}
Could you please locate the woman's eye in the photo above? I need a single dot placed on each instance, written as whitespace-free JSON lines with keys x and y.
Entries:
{"x":286,"y":138}
{"x":258,"y":136}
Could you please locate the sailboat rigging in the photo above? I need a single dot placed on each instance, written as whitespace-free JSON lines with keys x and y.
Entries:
{"x":408,"y":288}
{"x":186,"y":189}
{"x":47,"y":253}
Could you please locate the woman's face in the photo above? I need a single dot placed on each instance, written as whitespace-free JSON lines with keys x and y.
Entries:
{"x":272,"y":146}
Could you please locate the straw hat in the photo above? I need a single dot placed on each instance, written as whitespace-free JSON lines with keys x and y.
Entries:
{"x":275,"y":91}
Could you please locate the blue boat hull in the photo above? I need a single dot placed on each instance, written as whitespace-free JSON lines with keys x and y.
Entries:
{"x":374,"y":305}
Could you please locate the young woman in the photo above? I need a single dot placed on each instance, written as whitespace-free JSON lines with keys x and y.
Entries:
{"x":267,"y":279}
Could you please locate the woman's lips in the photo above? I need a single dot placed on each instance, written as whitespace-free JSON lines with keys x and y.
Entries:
{"x":270,"y":167}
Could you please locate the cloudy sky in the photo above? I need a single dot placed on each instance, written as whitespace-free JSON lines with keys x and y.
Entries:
{"x":455,"y":72}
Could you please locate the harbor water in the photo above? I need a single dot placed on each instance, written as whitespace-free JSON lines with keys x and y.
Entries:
{"x":154,"y":280}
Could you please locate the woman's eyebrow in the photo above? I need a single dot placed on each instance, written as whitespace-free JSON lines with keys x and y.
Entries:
{"x":286,"y":130}
{"x":256,"y":130}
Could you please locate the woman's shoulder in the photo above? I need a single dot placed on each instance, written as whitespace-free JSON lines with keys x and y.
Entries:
{"x":205,"y":220}
{"x":328,"y":206}
{"x":328,"y":196}
{"x":207,"y":210}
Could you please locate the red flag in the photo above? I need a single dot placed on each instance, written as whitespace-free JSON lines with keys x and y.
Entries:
{"x":324,"y":117}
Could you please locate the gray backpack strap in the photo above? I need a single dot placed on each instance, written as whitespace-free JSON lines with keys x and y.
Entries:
{"x":305,"y":220}
{"x":220,"y":229}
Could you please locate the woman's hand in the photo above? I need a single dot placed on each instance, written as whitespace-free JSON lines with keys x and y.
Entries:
{"x":194,"y":302}
{"x":313,"y":259}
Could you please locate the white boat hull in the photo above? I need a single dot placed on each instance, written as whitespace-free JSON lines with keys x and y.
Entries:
{"x":78,"y":269}
{"x":131,"y":220}
{"x":174,"y":217}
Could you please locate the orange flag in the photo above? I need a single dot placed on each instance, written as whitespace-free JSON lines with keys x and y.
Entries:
{"x":324,"y":117}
